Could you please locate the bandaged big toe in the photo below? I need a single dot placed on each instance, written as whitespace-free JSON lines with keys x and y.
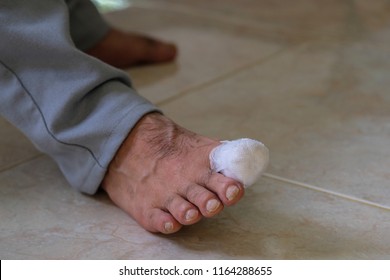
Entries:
{"x":243,"y":160}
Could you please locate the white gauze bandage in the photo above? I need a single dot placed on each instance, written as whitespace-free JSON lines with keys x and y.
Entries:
{"x":243,"y":160}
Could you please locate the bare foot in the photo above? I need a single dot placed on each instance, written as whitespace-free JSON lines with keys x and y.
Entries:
{"x":161,"y":177}
{"x":121,"y":49}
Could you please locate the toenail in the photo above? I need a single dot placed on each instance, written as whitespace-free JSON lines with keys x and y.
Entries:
{"x":168,"y":227}
{"x":212,"y":205}
{"x":232,"y":192}
{"x":191,"y":214}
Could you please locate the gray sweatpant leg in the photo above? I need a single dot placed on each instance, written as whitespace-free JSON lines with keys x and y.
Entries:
{"x":73,"y":107}
{"x":87,"y":27}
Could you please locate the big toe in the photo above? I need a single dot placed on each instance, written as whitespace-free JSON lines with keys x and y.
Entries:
{"x":158,"y":51}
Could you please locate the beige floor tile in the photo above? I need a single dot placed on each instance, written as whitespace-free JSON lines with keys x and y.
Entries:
{"x":14,"y":146}
{"x":208,"y":49}
{"x":323,"y":110}
{"x":289,"y":22}
{"x":42,"y":218}
{"x":284,"y":21}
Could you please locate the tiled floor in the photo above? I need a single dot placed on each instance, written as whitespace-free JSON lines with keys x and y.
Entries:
{"x":310,"y":80}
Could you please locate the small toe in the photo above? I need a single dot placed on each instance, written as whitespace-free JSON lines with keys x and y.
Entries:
{"x":183,"y":211}
{"x":161,"y":221}
{"x":228,"y":190}
{"x":206,"y":201}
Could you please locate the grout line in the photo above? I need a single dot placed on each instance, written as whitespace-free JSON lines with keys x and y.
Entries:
{"x":308,"y":186}
{"x":16,"y":164}
{"x":221,"y":78}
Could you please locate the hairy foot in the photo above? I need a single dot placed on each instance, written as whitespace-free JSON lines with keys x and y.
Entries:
{"x":121,"y":49}
{"x":161,"y":177}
